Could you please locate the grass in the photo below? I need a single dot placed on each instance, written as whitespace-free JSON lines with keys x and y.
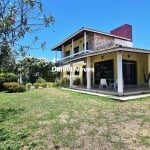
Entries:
{"x":52,"y":119}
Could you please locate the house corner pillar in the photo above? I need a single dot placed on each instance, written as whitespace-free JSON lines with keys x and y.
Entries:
{"x":120,"y":73}
{"x":71,"y":75}
{"x":88,"y":73}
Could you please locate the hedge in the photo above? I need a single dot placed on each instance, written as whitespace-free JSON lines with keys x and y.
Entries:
{"x":7,"y":77}
{"x":14,"y":87}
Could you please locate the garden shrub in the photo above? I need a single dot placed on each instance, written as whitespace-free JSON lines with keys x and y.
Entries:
{"x":77,"y":81}
{"x":40,"y":80}
{"x":28,"y":85}
{"x":8,"y":77}
{"x":2,"y":80}
{"x":65,"y":82}
{"x":50,"y":84}
{"x":44,"y":85}
{"x":11,"y":77}
{"x":14,"y":87}
{"x":36,"y":85}
{"x":56,"y":84}
{"x":21,"y":88}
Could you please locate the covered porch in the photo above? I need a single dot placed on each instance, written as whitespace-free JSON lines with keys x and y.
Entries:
{"x":128,"y":69}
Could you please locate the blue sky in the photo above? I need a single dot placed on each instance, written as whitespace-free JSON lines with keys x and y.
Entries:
{"x":71,"y":15}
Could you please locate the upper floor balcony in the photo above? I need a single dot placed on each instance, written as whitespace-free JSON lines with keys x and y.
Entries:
{"x":86,"y":41}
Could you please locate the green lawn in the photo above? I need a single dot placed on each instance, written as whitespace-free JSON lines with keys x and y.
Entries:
{"x":49,"y":119}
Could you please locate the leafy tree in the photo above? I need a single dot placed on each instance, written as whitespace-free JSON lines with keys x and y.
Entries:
{"x":32,"y":68}
{"x":17,"y":18}
{"x":7,"y":60}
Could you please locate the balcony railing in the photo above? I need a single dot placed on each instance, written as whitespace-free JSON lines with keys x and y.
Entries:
{"x":76,"y":54}
{"x":83,"y":52}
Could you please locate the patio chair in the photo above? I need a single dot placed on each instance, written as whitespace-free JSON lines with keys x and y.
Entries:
{"x":103,"y":84}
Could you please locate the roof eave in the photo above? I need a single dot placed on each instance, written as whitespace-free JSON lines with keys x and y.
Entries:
{"x":81,"y":30}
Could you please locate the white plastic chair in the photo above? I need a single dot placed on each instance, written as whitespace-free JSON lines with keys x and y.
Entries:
{"x":103,"y":84}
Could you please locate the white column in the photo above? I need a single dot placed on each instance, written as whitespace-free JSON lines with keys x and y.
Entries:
{"x":20,"y":75}
{"x":20,"y":78}
{"x":62,"y":52}
{"x":88,"y":73}
{"x":149,"y":67}
{"x":72,"y":50}
{"x":120,"y":73}
{"x":71,"y":73}
{"x":85,"y":48}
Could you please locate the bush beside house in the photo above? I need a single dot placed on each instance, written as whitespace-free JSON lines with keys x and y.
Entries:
{"x":36,"y":85}
{"x":64,"y":82}
{"x":28,"y":85}
{"x":14,"y":87}
{"x":77,"y":81}
{"x":7,"y":77}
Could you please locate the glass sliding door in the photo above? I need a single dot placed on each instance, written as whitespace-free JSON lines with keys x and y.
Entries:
{"x":103,"y":69}
{"x":129,"y":72}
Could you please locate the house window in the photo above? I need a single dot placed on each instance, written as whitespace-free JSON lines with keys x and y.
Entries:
{"x":68,"y":53}
{"x":87,"y":46}
{"x":77,"y":71}
{"x":103,"y":69}
{"x":67,"y":72}
{"x":76,"y":49}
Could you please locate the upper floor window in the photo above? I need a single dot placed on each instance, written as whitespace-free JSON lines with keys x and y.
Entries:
{"x":68,"y":53}
{"x":76,"y":49}
{"x":87,"y":46}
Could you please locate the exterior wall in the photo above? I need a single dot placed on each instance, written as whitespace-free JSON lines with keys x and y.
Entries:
{"x":90,"y":40}
{"x":64,"y":71}
{"x":105,"y":57}
{"x":102,"y":41}
{"x":142,"y":63}
{"x":141,"y":59}
{"x":67,"y":48}
{"x":79,"y":65}
{"x":80,"y":42}
{"x":96,"y":42}
{"x":123,"y":42}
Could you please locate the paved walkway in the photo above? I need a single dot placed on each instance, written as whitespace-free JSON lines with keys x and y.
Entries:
{"x":119,"y":98}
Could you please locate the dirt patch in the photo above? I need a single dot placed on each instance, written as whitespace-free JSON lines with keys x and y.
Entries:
{"x":63,"y":117}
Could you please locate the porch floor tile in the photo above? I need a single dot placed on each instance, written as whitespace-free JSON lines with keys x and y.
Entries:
{"x":110,"y":94}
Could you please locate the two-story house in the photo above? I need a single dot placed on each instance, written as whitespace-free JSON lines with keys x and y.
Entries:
{"x":92,"y":55}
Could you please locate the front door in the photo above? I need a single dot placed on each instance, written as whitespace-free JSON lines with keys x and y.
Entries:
{"x":129,"y":72}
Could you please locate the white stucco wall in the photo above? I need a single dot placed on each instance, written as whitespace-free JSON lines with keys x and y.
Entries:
{"x":123,"y":42}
